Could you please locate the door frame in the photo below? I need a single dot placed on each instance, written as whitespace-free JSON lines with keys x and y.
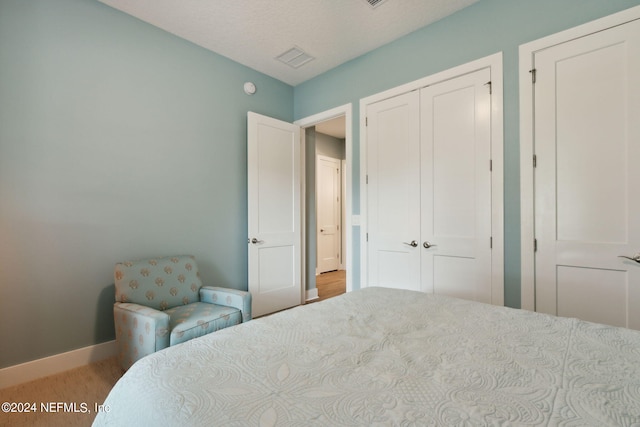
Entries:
{"x":494,"y":63}
{"x":527,"y":194}
{"x":345,"y":110}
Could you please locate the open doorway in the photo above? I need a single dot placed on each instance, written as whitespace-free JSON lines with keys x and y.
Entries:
{"x":327,"y":188}
{"x":330,"y":245}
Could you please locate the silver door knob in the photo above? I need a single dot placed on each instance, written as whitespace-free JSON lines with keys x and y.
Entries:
{"x":413,"y":243}
{"x":255,"y":241}
{"x":635,"y":258}
{"x":427,"y":245}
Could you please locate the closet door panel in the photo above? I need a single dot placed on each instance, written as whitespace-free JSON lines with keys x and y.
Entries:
{"x":456,"y":187}
{"x":393,"y":192}
{"x":587,"y":204}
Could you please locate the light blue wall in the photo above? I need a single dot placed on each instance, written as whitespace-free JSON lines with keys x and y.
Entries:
{"x":117,"y":140}
{"x":487,"y":27}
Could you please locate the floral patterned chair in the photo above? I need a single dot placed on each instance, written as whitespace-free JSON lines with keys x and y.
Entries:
{"x":161,"y":302}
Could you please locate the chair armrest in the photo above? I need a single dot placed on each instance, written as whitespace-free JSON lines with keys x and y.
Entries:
{"x":229,"y":298}
{"x":140,"y":331}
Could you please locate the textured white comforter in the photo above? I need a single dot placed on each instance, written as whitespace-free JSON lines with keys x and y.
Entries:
{"x":388,"y":357}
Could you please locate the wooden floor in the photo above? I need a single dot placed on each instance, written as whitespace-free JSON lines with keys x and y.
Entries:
{"x":331,"y":284}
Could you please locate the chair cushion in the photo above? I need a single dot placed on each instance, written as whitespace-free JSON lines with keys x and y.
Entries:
{"x":197,"y":319}
{"x":159,"y":283}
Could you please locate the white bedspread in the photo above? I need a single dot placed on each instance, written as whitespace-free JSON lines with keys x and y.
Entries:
{"x":387,"y":357}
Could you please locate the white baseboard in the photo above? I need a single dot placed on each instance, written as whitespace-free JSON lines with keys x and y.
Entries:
{"x":311,"y":294}
{"x":55,"y":364}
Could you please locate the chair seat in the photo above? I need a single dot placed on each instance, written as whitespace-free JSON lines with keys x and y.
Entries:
{"x":198,"y":319}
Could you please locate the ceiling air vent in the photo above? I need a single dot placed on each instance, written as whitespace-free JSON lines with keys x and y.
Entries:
{"x":295,"y":57}
{"x":375,"y":3}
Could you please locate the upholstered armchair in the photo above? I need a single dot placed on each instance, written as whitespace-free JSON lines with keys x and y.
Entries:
{"x":161,"y":302}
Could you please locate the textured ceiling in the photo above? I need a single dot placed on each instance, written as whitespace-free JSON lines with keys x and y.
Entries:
{"x":255,"y":32}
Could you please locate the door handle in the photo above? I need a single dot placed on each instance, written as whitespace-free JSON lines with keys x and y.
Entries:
{"x":256,"y":241}
{"x":635,"y":258}
{"x":427,"y":245}
{"x":413,"y":243}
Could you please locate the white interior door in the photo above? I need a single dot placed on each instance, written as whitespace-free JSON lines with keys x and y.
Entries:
{"x":393,"y":192}
{"x":328,"y":213}
{"x":587,"y":203}
{"x":273,"y":163}
{"x":456,"y":187}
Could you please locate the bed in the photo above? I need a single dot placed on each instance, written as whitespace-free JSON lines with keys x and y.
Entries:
{"x":385,"y":357}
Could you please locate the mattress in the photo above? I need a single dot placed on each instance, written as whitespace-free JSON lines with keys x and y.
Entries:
{"x":382,"y":357}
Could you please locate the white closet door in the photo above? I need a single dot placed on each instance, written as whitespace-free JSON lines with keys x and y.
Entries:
{"x":456,"y":187}
{"x":393,"y":161}
{"x":587,"y":203}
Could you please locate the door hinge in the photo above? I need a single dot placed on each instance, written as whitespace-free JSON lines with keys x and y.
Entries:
{"x":366,"y":121}
{"x":490,"y":165}
{"x":533,"y":75}
{"x":491,"y":242}
{"x":535,"y":161}
{"x":367,"y":179}
{"x":489,"y":84}
{"x":367,"y":237}
{"x":535,"y":245}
